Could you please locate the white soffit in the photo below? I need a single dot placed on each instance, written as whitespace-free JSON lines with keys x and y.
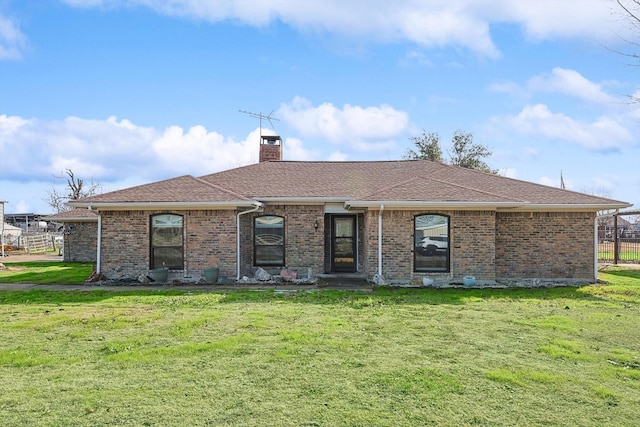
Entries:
{"x":336,"y":208}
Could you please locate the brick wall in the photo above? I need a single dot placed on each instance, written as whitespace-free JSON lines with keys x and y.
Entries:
{"x":369,"y":240}
{"x":545,"y":245}
{"x":304,"y":245}
{"x":209,"y":239}
{"x":125,"y":243}
{"x":80,"y":241}
{"x":484,"y":244}
{"x":472,"y":244}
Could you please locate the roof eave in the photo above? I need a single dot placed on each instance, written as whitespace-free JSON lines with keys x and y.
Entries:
{"x":510,"y":206}
{"x":572,"y":207}
{"x":400,"y":204}
{"x":71,"y":219}
{"x":122,"y":206}
{"x":301,"y":200}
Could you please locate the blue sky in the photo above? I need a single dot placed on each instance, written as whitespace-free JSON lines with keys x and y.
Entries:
{"x":126,"y":92}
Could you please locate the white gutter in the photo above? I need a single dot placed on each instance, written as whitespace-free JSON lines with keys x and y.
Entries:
{"x":420,"y":204}
{"x":161,"y":205}
{"x":257,"y":205}
{"x":573,"y":207}
{"x":512,"y":206}
{"x":303,"y":200}
{"x":380,"y":242}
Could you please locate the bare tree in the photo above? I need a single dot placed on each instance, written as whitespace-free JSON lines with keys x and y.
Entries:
{"x":631,"y":13}
{"x":76,"y":190}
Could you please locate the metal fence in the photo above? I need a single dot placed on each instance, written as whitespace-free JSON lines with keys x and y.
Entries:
{"x":619,"y":238}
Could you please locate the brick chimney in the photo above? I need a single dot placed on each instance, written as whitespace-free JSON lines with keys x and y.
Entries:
{"x":270,"y":148}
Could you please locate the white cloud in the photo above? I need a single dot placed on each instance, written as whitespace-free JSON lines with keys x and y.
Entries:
{"x":442,"y":24}
{"x":294,"y":150}
{"x":109,"y":150}
{"x":603,"y":134}
{"x":12,"y":41}
{"x":338,"y":156}
{"x":361,"y":128}
{"x":510,"y":88}
{"x":432,"y":24}
{"x":115,"y":153}
{"x":541,"y":20}
{"x":551,"y":182}
{"x":509,"y":172}
{"x":560,"y":81}
{"x":198,"y":152}
{"x":572,"y":83}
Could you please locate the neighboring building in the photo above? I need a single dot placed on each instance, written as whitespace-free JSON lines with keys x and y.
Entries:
{"x":80,"y":234}
{"x":28,"y":222}
{"x":11,"y":236}
{"x":362,"y":218}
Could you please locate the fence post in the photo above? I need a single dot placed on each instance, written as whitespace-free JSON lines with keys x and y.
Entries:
{"x":616,"y":239}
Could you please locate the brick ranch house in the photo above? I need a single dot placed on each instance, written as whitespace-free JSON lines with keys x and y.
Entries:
{"x":398,"y":221}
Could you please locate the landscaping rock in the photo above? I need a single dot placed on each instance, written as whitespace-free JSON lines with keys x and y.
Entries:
{"x":288,"y":275}
{"x":262,"y":275}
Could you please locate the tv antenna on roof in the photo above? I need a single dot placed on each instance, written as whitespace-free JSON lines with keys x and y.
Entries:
{"x":262,"y":116}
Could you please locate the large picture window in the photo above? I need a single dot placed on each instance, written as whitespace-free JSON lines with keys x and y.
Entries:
{"x":269,"y":240}
{"x":431,"y":245}
{"x":167,"y":241}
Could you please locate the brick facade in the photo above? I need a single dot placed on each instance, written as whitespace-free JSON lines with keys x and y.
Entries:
{"x":304,"y":244}
{"x":80,"y":241}
{"x":209,"y":239}
{"x":472,"y":244}
{"x":486,"y":244}
{"x":545,"y":245}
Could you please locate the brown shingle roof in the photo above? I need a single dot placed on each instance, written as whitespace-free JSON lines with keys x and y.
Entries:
{"x":431,"y":189}
{"x":319,"y":179}
{"x":380,"y":181}
{"x":73,"y":215}
{"x":183,"y":189}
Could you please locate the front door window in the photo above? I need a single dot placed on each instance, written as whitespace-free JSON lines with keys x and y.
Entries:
{"x":343,"y":254}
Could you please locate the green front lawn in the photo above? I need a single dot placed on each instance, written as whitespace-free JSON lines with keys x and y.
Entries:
{"x":37,"y":272}
{"x":393,"y":357}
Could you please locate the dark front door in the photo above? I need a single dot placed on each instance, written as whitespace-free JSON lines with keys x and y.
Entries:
{"x":343,"y":243}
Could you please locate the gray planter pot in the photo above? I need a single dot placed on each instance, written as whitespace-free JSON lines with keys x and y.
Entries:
{"x":159,"y":274}
{"x":211,"y":274}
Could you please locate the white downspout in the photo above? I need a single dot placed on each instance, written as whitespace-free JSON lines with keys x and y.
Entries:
{"x":258,"y":205}
{"x":99,"y":245}
{"x":380,"y":241}
{"x":595,"y":248}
